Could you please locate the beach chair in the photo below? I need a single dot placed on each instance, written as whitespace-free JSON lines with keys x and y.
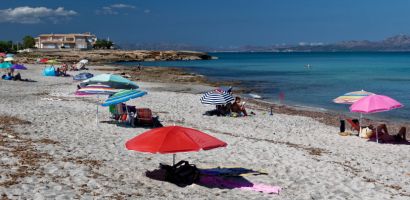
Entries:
{"x":118,"y":112}
{"x":354,"y":123}
{"x":144,"y":117}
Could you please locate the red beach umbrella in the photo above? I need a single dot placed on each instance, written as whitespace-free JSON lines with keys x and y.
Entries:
{"x":173,"y":139}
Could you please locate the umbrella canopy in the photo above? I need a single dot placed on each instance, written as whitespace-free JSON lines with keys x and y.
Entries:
{"x":9,"y":59}
{"x":173,"y":139}
{"x":123,"y":96}
{"x":216,"y":97}
{"x":82,"y":76}
{"x":18,"y":67}
{"x":115,"y":81}
{"x":9,"y":55}
{"x":375,"y":103}
{"x":96,"y":89}
{"x":84,"y":61}
{"x":351,"y":97}
{"x":2,"y":54}
{"x":5,"y":65}
{"x":44,"y":60}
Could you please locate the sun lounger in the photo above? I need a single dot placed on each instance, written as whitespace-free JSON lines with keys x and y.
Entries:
{"x":144,"y":117}
{"x":354,"y":123}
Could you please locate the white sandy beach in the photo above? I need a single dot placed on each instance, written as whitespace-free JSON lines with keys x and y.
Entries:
{"x":307,"y":159}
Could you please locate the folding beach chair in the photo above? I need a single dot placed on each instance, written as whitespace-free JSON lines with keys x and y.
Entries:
{"x":354,"y":123}
{"x":144,"y":117}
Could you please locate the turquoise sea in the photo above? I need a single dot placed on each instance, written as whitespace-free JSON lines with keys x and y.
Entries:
{"x":329,"y":76}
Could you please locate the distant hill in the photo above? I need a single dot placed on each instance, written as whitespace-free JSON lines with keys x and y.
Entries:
{"x":395,"y":43}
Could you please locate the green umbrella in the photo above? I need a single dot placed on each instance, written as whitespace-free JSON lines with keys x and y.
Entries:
{"x":115,"y":81}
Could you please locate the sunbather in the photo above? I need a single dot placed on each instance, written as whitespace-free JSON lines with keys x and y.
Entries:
{"x":238,"y":107}
{"x":384,"y":136}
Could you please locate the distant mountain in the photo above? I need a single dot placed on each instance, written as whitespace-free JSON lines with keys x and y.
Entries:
{"x":163,"y":47}
{"x":396,"y":43}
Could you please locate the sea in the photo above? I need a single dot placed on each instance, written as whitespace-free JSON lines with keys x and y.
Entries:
{"x":310,"y":79}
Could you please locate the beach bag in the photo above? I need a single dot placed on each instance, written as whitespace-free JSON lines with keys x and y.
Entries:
{"x":366,"y":133}
{"x":182,"y":173}
{"x":49,"y":71}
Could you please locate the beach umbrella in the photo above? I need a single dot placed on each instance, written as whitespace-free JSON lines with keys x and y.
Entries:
{"x":9,"y":55}
{"x":84,"y":61}
{"x":18,"y":67}
{"x":2,"y":54}
{"x":9,"y":59}
{"x":217,"y":97}
{"x":5,"y":65}
{"x":173,"y":139}
{"x":373,"y":104}
{"x":96,"y":89}
{"x":43,"y":60}
{"x":82,"y":76}
{"x":351,"y":97}
{"x":123,"y":96}
{"x":115,"y":81}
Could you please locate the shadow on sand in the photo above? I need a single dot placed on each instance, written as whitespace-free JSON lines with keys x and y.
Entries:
{"x":222,"y":178}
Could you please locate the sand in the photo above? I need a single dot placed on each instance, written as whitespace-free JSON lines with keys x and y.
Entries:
{"x":57,"y":150}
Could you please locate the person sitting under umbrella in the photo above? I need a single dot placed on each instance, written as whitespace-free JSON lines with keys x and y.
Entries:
{"x":238,"y":107}
{"x":384,"y":136}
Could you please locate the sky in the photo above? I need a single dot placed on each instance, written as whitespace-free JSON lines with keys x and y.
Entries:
{"x":214,"y":23}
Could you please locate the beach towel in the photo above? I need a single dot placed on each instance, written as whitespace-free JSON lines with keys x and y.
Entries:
{"x":230,"y":171}
{"x":238,"y":183}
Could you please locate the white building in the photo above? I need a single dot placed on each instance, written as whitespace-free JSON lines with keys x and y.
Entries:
{"x":68,"y":41}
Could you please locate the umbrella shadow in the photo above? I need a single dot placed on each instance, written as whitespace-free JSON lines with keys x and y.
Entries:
{"x":222,"y":178}
{"x":156,"y":124}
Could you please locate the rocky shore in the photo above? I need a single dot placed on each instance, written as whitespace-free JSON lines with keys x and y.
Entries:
{"x":109,"y":56}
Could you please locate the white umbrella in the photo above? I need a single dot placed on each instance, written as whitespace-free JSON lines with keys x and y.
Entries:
{"x":84,"y":61}
{"x":9,"y":59}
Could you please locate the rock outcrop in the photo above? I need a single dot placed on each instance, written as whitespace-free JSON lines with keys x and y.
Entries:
{"x":109,"y":56}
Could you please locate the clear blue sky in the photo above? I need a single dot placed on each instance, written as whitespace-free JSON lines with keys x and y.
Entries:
{"x":212,"y":22}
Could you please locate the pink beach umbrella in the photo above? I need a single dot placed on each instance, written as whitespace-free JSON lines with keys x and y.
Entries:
{"x":373,"y":104}
{"x":2,"y":54}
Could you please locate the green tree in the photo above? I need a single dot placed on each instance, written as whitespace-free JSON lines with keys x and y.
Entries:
{"x":28,"y":42}
{"x":103,"y":44}
{"x":6,"y":46}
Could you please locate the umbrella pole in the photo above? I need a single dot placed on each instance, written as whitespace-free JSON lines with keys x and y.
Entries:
{"x":173,"y":159}
{"x":96,"y":117}
{"x":360,"y":123}
{"x":377,"y":135}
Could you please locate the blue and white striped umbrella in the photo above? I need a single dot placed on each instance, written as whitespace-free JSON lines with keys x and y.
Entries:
{"x":123,"y":96}
{"x":216,"y":97}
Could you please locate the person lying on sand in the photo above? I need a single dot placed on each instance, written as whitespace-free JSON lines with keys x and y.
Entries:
{"x":384,"y":136}
{"x":17,"y":77}
{"x":223,"y":110}
{"x":7,"y":76}
{"x":238,"y":107}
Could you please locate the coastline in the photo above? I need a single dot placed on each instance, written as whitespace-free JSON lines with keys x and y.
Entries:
{"x":52,"y":148}
{"x":181,"y":75}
